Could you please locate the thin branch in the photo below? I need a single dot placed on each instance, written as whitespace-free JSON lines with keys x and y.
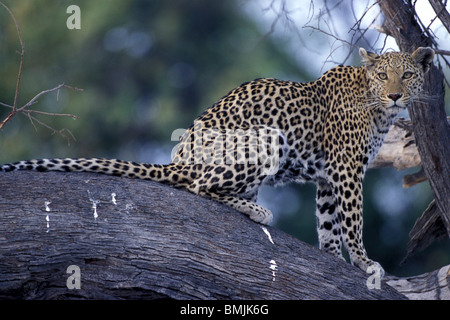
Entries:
{"x":331,"y":35}
{"x":24,"y":109}
{"x":282,"y":16}
{"x":27,"y":111}
{"x":52,"y":114}
{"x":61,"y":132}
{"x":34,"y":99}
{"x":22,"y":53}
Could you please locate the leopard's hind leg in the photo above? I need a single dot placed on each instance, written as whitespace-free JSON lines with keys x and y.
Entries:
{"x":234,"y":163}
{"x":328,"y":223}
{"x":215,"y":182}
{"x":253,"y":210}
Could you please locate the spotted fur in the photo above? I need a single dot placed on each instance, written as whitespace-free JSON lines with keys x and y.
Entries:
{"x":272,"y":131}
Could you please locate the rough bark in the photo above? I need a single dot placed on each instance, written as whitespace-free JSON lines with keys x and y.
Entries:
{"x":428,"y":116}
{"x":429,"y":286}
{"x":399,"y":149}
{"x":140,"y":239}
{"x":427,"y":229}
{"x":134,"y":239}
{"x":441,"y":12}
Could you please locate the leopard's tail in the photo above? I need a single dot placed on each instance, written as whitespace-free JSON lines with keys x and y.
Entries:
{"x":169,"y":174}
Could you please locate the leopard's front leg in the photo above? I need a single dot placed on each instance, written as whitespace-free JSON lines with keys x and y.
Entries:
{"x":347,"y":190}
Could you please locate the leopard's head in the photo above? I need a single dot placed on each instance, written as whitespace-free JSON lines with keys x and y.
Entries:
{"x":394,"y":78}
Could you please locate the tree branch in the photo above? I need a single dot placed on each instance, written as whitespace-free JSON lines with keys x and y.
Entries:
{"x":25,"y":108}
{"x":22,"y":54}
{"x":139,"y":239}
{"x":399,"y":149}
{"x":441,"y":13}
{"x":427,"y":229}
{"x":434,"y":285}
{"x":428,"y":115}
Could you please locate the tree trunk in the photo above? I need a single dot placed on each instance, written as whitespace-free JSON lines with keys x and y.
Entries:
{"x":123,"y":238}
{"x":399,"y":150}
{"x":430,"y":125}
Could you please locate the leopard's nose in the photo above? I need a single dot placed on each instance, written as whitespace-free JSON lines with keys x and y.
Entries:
{"x":394,"y":96}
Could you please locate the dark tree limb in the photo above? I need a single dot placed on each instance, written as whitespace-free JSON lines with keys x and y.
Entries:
{"x":142,"y":240}
{"x":399,"y":150}
{"x":139,"y":239}
{"x":427,"y":229}
{"x":441,"y":12}
{"x":428,"y":116}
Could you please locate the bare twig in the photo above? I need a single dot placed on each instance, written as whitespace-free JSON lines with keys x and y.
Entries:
{"x":331,"y":35}
{"x":22,"y":53}
{"x":24,"y":109}
{"x":52,"y":114}
{"x":34,"y":99}
{"x":358,"y":33}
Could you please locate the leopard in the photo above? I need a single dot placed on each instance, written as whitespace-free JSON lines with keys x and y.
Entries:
{"x":270,"y":131}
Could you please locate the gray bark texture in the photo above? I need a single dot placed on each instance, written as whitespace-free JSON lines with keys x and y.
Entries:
{"x":429,"y":120}
{"x":134,"y":239}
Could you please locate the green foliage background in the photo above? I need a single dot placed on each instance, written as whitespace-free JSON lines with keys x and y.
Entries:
{"x":149,"y":67}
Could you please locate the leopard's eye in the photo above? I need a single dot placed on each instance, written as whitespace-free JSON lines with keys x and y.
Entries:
{"x":382,"y":76}
{"x":408,"y":75}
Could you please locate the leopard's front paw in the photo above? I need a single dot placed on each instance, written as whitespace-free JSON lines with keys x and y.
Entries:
{"x":371,"y":267}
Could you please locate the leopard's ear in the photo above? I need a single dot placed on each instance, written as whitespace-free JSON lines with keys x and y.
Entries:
{"x":368,"y":58}
{"x":423,"y":56}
